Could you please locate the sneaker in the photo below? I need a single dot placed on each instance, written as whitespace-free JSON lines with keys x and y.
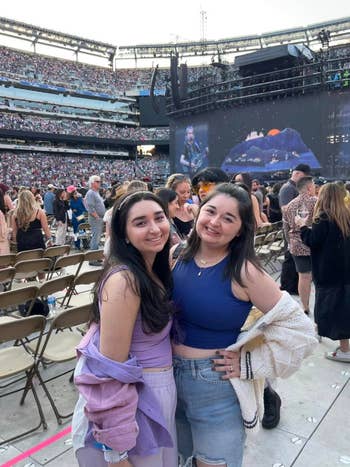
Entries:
{"x":272,"y":408}
{"x":338,"y":355}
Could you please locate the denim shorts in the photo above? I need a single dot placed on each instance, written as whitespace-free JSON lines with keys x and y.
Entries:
{"x":208,"y":416}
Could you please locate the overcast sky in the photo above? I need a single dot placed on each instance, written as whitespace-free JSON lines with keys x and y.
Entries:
{"x":123,"y":22}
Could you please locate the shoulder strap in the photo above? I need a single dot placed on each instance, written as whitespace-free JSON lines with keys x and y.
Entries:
{"x":113,"y":270}
{"x":176,"y":253}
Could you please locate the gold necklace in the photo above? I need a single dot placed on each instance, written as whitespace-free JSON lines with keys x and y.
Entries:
{"x":204,"y":262}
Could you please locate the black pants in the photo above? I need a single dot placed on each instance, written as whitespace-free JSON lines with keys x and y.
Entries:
{"x":289,"y":275}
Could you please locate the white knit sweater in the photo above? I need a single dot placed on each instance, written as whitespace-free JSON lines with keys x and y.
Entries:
{"x":274,"y":346}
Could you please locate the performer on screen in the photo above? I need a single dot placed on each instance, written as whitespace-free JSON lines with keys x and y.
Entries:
{"x":192,"y":159}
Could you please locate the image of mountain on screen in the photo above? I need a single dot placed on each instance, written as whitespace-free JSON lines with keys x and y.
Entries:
{"x":278,"y":150}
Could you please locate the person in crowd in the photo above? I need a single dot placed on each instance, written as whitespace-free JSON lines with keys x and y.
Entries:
{"x":7,"y":199}
{"x":96,"y":210}
{"x":347,"y":197}
{"x":265,"y":202}
{"x":78,"y":212}
{"x":245,"y":178}
{"x":38,"y":198}
{"x":329,"y":242}
{"x":185,"y":213}
{"x":171,"y":201}
{"x":318,"y":184}
{"x":4,"y":229}
{"x":28,"y":223}
{"x":136,"y":185}
{"x":206,"y":180}
{"x":257,"y":192}
{"x":124,"y":373}
{"x":275,"y":213}
{"x":60,"y":208}
{"x":303,"y":205}
{"x":288,"y":191}
{"x":217,"y":279}
{"x":49,"y":197}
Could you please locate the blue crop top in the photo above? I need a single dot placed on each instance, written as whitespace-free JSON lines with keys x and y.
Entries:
{"x":209,"y":315}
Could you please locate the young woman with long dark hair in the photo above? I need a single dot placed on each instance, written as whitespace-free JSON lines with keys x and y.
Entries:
{"x":125,"y":413}
{"x":217,"y":279}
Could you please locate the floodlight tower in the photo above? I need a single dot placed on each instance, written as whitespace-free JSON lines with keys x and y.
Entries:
{"x":203,"y":25}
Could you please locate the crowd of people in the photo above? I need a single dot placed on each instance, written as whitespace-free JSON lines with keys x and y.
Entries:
{"x":48,"y":70}
{"x":37,"y":169}
{"x":25,"y":122}
{"x":159,"y":374}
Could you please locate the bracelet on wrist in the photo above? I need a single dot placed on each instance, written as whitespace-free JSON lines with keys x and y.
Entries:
{"x":115,"y":456}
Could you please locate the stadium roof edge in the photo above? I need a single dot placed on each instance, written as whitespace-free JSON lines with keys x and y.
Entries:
{"x":338,"y":28}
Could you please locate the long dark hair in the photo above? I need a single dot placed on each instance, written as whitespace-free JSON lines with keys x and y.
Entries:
{"x":246,"y":179}
{"x":241,"y":248}
{"x":2,"y":202}
{"x":155,"y":306}
{"x":167,"y":196}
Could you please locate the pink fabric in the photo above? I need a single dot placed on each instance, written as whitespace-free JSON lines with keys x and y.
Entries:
{"x":4,"y":231}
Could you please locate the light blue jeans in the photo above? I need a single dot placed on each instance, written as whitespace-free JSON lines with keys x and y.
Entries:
{"x":96,"y":232}
{"x":208,"y":416}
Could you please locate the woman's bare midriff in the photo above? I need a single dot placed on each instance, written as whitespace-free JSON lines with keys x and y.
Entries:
{"x":190,"y":352}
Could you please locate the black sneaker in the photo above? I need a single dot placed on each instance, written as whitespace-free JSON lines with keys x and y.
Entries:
{"x":272,"y":406}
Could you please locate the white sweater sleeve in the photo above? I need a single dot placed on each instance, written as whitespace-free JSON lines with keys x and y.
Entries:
{"x":277,"y":343}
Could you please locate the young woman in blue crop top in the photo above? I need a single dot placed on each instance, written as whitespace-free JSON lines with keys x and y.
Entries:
{"x":217,"y":278}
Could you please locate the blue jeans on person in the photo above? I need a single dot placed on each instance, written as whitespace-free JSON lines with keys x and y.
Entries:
{"x":208,"y":416}
{"x":96,"y":231}
{"x":75,"y":225}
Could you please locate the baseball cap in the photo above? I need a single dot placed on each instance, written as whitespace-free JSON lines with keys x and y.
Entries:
{"x":303,"y":168}
{"x":71,"y":189}
{"x":50,"y":186}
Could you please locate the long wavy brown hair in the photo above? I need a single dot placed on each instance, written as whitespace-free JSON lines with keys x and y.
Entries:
{"x":26,"y":207}
{"x":331,"y":205}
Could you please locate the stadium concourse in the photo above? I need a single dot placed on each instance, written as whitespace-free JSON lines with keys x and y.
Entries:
{"x":314,"y":430}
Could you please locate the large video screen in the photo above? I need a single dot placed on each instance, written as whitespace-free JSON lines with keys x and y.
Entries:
{"x":268,"y":137}
{"x":191,"y":148}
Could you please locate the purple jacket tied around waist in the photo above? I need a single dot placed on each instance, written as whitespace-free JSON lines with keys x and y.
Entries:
{"x":122,"y":411}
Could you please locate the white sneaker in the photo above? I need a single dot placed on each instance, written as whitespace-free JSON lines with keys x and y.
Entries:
{"x":338,"y":355}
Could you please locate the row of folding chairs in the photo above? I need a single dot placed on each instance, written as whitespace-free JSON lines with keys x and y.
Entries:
{"x":70,"y":291}
{"x":269,"y":248}
{"x":52,"y":252}
{"x":267,"y":228}
{"x":29,"y":269}
{"x":25,"y":350}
